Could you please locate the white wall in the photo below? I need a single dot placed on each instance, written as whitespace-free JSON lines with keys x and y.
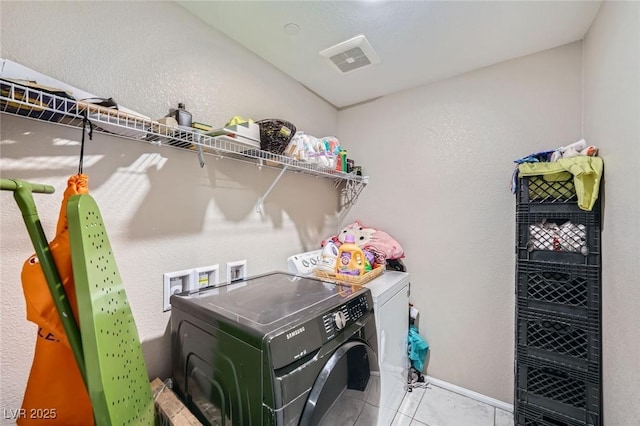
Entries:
{"x":163,"y":212}
{"x":612,"y":122}
{"x":441,"y":158}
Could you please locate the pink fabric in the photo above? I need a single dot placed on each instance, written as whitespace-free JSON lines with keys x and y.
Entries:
{"x":371,"y":238}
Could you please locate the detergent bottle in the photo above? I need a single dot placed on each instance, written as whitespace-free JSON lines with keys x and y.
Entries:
{"x":351,"y":260}
{"x":328,"y":258}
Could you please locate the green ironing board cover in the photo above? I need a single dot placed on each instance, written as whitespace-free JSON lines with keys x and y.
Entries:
{"x":116,"y":372}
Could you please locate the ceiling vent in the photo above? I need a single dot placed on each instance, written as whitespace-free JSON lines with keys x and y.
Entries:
{"x":352,"y":54}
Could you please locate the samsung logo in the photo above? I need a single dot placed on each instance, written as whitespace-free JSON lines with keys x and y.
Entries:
{"x":294,"y":333}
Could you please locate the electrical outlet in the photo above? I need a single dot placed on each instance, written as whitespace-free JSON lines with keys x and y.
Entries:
{"x":206,"y":276}
{"x":236,"y":271}
{"x":174,"y":283}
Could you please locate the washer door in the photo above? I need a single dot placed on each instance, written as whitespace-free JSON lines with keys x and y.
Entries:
{"x":347,"y":390}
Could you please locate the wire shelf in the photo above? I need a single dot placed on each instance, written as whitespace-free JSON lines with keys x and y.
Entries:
{"x":16,"y":99}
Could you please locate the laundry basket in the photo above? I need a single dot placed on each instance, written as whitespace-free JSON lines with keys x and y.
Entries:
{"x":275,"y":135}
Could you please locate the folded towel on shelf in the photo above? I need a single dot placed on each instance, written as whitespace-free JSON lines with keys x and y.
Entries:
{"x":586,"y":171}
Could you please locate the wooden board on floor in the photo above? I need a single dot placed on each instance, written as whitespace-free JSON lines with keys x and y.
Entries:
{"x":169,"y":408}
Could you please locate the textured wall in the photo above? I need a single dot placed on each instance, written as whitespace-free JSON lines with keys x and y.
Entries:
{"x":611,"y":122}
{"x":163,"y":212}
{"x":443,"y":157}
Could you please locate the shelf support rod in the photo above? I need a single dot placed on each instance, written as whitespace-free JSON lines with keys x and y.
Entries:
{"x":197,"y":140}
{"x":260,"y":204}
{"x":200,"y":156}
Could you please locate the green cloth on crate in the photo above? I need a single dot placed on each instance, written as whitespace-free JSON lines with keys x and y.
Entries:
{"x":586,"y":171}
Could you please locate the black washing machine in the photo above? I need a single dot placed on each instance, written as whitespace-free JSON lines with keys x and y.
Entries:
{"x":276,"y":349}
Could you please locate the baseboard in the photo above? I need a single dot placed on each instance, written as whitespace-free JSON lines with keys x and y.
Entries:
{"x":471,"y":394}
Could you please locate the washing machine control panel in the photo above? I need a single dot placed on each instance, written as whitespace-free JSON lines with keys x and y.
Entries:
{"x":344,"y":316}
{"x":301,"y":339}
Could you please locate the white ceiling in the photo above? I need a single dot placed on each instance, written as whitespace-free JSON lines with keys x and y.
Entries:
{"x":418,"y":41}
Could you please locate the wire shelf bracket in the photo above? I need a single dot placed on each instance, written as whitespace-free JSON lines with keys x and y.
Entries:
{"x":260,"y":204}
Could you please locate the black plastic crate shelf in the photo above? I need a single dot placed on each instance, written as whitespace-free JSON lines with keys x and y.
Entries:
{"x":593,"y":258}
{"x":523,"y":209}
{"x":559,"y":338}
{"x":562,"y":238}
{"x":569,"y":288}
{"x":587,"y":318}
{"x":531,"y":415}
{"x":558,"y":310}
{"x":562,"y":390}
{"x":591,"y":370}
{"x":528,"y":217}
{"x":537,"y":195}
{"x":536,"y":189}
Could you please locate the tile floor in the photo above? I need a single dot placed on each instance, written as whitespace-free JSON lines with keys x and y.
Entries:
{"x":435,"y":406}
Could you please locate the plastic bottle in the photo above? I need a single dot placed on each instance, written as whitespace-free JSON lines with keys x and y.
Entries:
{"x":343,"y":160}
{"x":182,"y":116}
{"x":368,"y":260}
{"x":351,"y":260}
{"x":328,"y":258}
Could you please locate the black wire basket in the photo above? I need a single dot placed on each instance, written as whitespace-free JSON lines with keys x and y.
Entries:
{"x":275,"y":135}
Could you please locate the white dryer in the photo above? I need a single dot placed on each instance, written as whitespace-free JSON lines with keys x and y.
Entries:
{"x":390,"y":293}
